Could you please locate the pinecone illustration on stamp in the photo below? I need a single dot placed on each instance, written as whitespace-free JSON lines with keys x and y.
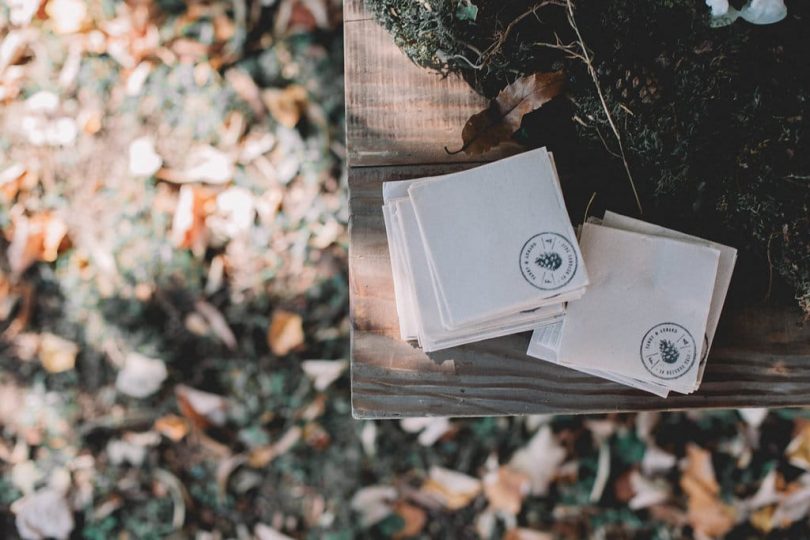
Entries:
{"x":548,"y":261}
{"x":668,"y":350}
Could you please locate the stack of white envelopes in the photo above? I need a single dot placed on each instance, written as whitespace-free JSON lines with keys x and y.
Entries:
{"x":651,"y":311}
{"x":481,"y":253}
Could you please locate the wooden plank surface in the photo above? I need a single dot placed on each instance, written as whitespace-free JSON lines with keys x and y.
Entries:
{"x":399,"y":118}
{"x":396,"y":112}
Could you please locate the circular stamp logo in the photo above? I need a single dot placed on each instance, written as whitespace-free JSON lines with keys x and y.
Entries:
{"x":668,"y":350}
{"x":548,"y":261}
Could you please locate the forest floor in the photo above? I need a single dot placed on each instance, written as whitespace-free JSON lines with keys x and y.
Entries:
{"x":174,"y":318}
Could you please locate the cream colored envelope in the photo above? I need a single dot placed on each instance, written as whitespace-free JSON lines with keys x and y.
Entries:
{"x":498,"y":239}
{"x":725,"y":268}
{"x":646,"y":311}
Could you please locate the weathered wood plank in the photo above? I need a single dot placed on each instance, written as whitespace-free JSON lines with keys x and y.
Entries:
{"x":761,"y":356}
{"x":396,"y":112}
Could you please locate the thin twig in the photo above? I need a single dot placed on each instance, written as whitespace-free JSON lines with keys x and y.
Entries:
{"x":585,"y":56}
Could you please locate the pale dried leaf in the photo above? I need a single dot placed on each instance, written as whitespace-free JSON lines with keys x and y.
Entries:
{"x":57,"y":354}
{"x":141,"y":376}
{"x":646,"y":493}
{"x":216,"y":321}
{"x":143,"y":159}
{"x":430,"y":429}
{"x":286,"y":332}
{"x":44,"y":514}
{"x":505,"y":489}
{"x":539,"y":460}
{"x":527,"y":534}
{"x":753,"y":416}
{"x":706,"y":512}
{"x":68,"y":16}
{"x":373,"y":503}
{"x":656,"y":460}
{"x":209,"y":165}
{"x":323,"y":372}
{"x":202,"y":408}
{"x":266,"y":532}
{"x":451,"y":489}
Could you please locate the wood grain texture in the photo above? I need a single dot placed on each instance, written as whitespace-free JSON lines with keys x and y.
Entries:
{"x":396,"y":112}
{"x":399,"y":118}
{"x":761,"y":355}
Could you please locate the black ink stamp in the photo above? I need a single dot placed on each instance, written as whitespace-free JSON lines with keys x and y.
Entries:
{"x":668,"y":350}
{"x":548,"y":261}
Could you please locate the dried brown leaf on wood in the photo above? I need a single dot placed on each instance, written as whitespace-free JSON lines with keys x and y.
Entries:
{"x":261,"y":456}
{"x":706,"y":512}
{"x":498,"y":122}
{"x":286,"y":332}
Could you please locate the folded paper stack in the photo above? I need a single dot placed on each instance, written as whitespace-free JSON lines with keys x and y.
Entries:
{"x":651,"y":311}
{"x":481,"y":253}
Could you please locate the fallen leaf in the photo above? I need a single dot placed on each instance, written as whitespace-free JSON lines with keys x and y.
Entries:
{"x":122,"y":451}
{"x":266,"y":532}
{"x":143,"y":159}
{"x":539,"y":460}
{"x":373,"y":503}
{"x":762,"y":519}
{"x":172,"y":427}
{"x":40,"y":237}
{"x":323,"y":372}
{"x":261,"y":456}
{"x":753,"y":416}
{"x":43,"y":514}
{"x":209,"y":165}
{"x":11,"y":179}
{"x":527,"y":534}
{"x":286,"y":332}
{"x":286,"y":105}
{"x":68,"y":16}
{"x":368,"y":438}
{"x":798,"y":451}
{"x":706,"y":512}
{"x":432,"y":429}
{"x":202,"y":408}
{"x":451,"y":489}
{"x":234,"y":215}
{"x":217,"y":323}
{"x":414,"y":519}
{"x":141,"y":376}
{"x":498,"y":122}
{"x":188,"y":224}
{"x":247,"y":89}
{"x":505,"y":489}
{"x":656,"y":460}
{"x":646,"y":493}
{"x":795,"y":505}
{"x":56,"y":353}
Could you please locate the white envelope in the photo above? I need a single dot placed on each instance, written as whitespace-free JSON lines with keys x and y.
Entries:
{"x":431,"y":333}
{"x":498,"y":239}
{"x":645,"y":313}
